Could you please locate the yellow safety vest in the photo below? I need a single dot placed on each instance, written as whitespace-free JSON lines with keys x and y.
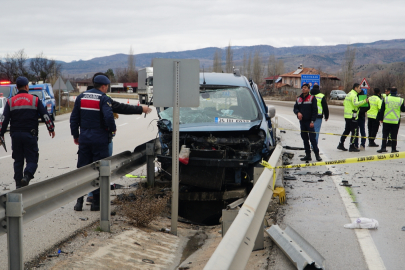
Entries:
{"x":392,"y":112}
{"x":319,"y":102}
{"x":351,"y":105}
{"x":375,"y":106}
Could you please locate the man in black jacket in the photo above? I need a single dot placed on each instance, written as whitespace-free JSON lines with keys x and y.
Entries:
{"x":306,"y":110}
{"x":361,"y":121}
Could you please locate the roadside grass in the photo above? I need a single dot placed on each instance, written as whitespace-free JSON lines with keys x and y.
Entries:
{"x":143,"y":205}
{"x":352,"y":195}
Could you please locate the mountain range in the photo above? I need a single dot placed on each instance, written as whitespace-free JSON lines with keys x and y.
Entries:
{"x":328,"y":58}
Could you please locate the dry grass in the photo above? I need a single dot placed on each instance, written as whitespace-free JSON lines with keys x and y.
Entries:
{"x":143,"y":205}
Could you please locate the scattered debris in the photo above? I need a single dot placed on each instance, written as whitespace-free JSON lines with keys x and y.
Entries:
{"x":165,"y":230}
{"x":320,"y":180}
{"x":283,"y":131}
{"x":310,"y":181}
{"x":345,"y":183}
{"x":293,"y":148}
{"x":362,"y":223}
{"x":50,"y":166}
{"x":288,"y":177}
{"x":134,"y":185}
{"x":403,"y":228}
{"x":395,"y":187}
{"x":84,"y":219}
{"x":148,"y":261}
{"x":136,"y":243}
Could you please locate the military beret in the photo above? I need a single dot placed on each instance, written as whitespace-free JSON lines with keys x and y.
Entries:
{"x":21,"y":81}
{"x":315,"y":87}
{"x":101,"y":79}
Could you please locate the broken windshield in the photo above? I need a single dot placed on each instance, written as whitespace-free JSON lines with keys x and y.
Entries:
{"x":230,"y":105}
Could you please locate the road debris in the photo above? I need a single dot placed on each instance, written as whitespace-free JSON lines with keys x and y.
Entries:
{"x":148,"y":261}
{"x":345,"y":183}
{"x":288,"y":177}
{"x":403,"y":228}
{"x":84,"y":219}
{"x":362,"y":223}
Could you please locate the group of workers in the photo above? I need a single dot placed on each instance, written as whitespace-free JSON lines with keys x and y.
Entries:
{"x":92,"y":125}
{"x":385,"y":109}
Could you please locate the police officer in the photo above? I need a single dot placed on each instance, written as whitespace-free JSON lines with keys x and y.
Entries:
{"x":306,"y":110}
{"x":387,"y":93}
{"x":93,"y":114}
{"x":351,"y":107}
{"x":389,"y":116}
{"x":118,"y":108}
{"x":373,"y":123}
{"x":322,"y":109}
{"x":22,"y":112}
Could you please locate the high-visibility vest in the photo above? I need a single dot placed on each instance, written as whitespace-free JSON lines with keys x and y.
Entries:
{"x":319,"y":98}
{"x":351,"y":104}
{"x":375,"y":106}
{"x":392,"y":112}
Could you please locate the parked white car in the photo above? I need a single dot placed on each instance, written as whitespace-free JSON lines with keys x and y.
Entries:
{"x":337,"y":94}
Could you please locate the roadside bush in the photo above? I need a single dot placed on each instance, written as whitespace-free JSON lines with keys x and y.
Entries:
{"x":143,"y":205}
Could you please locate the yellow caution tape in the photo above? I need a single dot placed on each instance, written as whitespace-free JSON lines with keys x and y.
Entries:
{"x":380,"y":157}
{"x":328,"y":133}
{"x":135,"y":176}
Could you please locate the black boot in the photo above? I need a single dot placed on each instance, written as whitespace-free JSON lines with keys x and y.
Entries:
{"x":352,"y":148}
{"x":307,"y":157}
{"x":382,"y":150}
{"x":17,"y":184}
{"x":318,"y":157}
{"x":372,"y":144}
{"x":341,"y":147}
{"x":394,"y":150}
{"x":26,"y":180}
{"x":79,"y":204}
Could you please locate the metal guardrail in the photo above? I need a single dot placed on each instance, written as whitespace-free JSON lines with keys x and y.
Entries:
{"x":28,"y":203}
{"x":235,"y":248}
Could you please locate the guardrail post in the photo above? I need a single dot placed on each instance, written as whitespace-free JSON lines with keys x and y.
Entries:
{"x":14,"y":213}
{"x":150,"y":164}
{"x":105,"y":175}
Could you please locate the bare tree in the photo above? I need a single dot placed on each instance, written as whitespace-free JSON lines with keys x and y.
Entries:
{"x":257,"y":75}
{"x":21,"y":59}
{"x":243,"y":71}
{"x":217,"y":67}
{"x":132,"y":74}
{"x":8,"y":68}
{"x":44,"y":69}
{"x":121,"y":74}
{"x":229,"y":59}
{"x":347,"y":68}
{"x":249,"y":66}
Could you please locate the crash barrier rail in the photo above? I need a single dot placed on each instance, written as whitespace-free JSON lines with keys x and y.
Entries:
{"x":340,"y":135}
{"x":25,"y":204}
{"x":235,"y":248}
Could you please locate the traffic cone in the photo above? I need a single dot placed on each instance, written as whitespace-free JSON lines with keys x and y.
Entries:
{"x":138,"y":102}
{"x":128,"y":101}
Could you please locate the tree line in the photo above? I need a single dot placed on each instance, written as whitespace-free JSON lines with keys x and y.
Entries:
{"x":39,"y":68}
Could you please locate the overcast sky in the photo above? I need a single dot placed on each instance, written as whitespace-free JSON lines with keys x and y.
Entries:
{"x":80,"y":29}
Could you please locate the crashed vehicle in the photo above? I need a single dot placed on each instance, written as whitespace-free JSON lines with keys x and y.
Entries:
{"x":228,"y":135}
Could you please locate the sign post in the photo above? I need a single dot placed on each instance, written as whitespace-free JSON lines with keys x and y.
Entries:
{"x":364,"y":86}
{"x":311,"y":80}
{"x":176,"y":84}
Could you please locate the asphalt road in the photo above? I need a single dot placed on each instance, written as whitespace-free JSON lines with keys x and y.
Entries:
{"x":58,"y":156}
{"x":319,"y":210}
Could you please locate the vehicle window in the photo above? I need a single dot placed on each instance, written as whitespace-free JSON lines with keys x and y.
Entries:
{"x":5,"y":90}
{"x":150,"y":81}
{"x":341,"y":92}
{"x":36,"y":93}
{"x":218,"y":105}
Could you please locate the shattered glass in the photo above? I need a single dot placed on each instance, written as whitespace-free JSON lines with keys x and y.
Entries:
{"x":228,"y":105}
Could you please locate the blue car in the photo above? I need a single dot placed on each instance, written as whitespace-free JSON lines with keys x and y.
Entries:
{"x":228,"y":134}
{"x":45,"y":93}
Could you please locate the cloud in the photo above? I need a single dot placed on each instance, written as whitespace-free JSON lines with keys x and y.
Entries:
{"x":73,"y":30}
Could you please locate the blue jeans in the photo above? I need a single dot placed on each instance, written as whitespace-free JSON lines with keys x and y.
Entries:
{"x":362,"y":127}
{"x":317,"y":128}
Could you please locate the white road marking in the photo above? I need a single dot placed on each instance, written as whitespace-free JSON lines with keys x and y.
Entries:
{"x":5,"y":157}
{"x":123,"y":124}
{"x":366,"y":242}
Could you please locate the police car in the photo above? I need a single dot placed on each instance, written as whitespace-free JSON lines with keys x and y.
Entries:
{"x":45,"y":93}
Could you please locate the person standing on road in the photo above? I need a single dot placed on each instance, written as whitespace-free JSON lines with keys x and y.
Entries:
{"x":22,"y":112}
{"x":92,"y":113}
{"x":387,"y":93}
{"x":351,"y":107}
{"x":373,"y":123}
{"x":322,"y":110}
{"x":361,"y":121}
{"x":306,"y":110}
{"x":390,"y":116}
{"x":118,"y":108}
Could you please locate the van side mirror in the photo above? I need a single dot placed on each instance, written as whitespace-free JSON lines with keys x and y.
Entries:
{"x":47,"y":97}
{"x":272,"y":111}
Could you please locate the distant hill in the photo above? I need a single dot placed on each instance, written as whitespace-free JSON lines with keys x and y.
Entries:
{"x":328,"y":58}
